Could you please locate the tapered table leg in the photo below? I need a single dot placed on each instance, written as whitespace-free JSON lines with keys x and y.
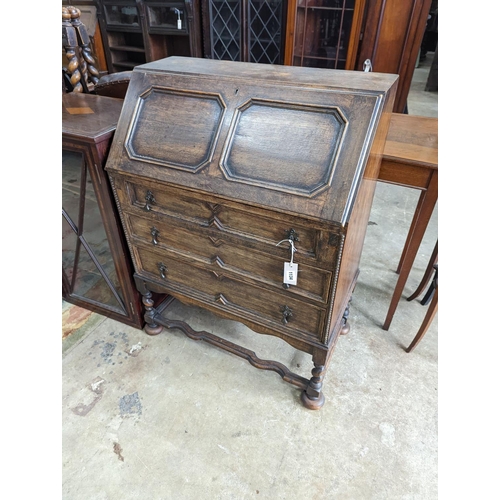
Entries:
{"x":414,"y":223}
{"x":431,"y":312}
{"x":424,"y":215}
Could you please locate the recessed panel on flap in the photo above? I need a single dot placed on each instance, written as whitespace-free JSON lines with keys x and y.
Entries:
{"x":284,"y":146}
{"x":175,"y":128}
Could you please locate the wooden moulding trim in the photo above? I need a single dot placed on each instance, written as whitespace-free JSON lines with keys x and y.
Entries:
{"x":290,"y":32}
{"x":352,"y":50}
{"x":327,"y":332}
{"x":286,"y":374}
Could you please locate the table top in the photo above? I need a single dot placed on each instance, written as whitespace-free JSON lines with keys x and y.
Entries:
{"x":89,"y":116}
{"x":412,"y":140}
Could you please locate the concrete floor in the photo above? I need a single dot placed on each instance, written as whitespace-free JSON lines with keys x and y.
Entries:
{"x":165,"y":417}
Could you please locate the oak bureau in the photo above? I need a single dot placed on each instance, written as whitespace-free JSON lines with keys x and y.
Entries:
{"x":245,"y":189}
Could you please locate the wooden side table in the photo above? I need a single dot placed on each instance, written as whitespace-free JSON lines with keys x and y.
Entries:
{"x":410,"y":159}
{"x":97,"y":270}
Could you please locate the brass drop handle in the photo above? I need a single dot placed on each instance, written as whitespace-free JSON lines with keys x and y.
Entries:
{"x":291,"y":234}
{"x":163,"y":269}
{"x":154,"y":233}
{"x":150,"y":200}
{"x":287,"y":314}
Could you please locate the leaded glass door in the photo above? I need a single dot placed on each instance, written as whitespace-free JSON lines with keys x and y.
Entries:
{"x":244,"y":30}
{"x":265,"y":31}
{"x":91,"y":266}
{"x":88,"y":264}
{"x":323,"y":33}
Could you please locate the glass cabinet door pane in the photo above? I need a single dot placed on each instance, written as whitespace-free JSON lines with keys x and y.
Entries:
{"x":225,"y":31}
{"x":72,"y":164}
{"x":167,"y":17}
{"x":69,"y":240}
{"x":122,"y":15}
{"x":298,"y":48}
{"x":87,"y":259}
{"x":265,"y":30}
{"x":330,"y":4}
{"x":323,"y":30}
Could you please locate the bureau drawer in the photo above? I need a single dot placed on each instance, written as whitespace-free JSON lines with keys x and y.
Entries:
{"x":265,"y":229}
{"x":223,"y":254}
{"x":273,"y":309}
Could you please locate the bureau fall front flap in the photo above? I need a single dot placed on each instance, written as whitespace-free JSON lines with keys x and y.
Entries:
{"x":294,"y":139}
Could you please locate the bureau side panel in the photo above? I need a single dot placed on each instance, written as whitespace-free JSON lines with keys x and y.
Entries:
{"x":358,"y":221}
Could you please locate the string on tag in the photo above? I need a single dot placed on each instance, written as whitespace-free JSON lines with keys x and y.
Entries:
{"x":292,"y":248}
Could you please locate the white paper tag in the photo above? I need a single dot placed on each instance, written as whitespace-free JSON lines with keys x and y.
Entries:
{"x":179,"y":24}
{"x":290,"y":271}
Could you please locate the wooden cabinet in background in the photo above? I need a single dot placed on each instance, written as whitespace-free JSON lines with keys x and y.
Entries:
{"x":138,"y":31}
{"x":335,"y":34}
{"x":392,"y":34}
{"x":122,"y":34}
{"x":323,"y":33}
{"x":343,"y":34}
{"x":246,"y":30}
{"x":96,"y":265}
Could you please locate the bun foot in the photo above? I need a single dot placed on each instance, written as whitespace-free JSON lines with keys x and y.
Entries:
{"x":312,"y":403}
{"x":153,"y":330}
{"x":345,"y":329}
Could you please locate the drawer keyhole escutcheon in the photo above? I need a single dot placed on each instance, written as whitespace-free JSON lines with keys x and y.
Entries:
{"x":287,"y":314}
{"x":163,"y":269}
{"x":150,"y":200}
{"x":154,"y":233}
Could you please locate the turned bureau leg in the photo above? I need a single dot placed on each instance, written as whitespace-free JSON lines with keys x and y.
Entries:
{"x":312,"y":398}
{"x":151,"y":328}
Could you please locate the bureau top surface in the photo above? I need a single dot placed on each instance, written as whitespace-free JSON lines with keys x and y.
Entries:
{"x":89,"y":116}
{"x":272,"y":73}
{"x":292,"y":139}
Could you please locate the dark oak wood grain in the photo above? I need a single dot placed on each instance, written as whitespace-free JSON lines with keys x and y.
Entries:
{"x":218,"y":166}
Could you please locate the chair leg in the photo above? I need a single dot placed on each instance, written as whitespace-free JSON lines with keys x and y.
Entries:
{"x":428,"y":294}
{"x":427,"y":275}
{"x":429,"y":316}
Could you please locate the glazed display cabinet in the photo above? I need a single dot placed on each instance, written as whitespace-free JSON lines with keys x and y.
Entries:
{"x":246,"y":30}
{"x":96,"y":265}
{"x":324,"y":33}
{"x":138,"y":31}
